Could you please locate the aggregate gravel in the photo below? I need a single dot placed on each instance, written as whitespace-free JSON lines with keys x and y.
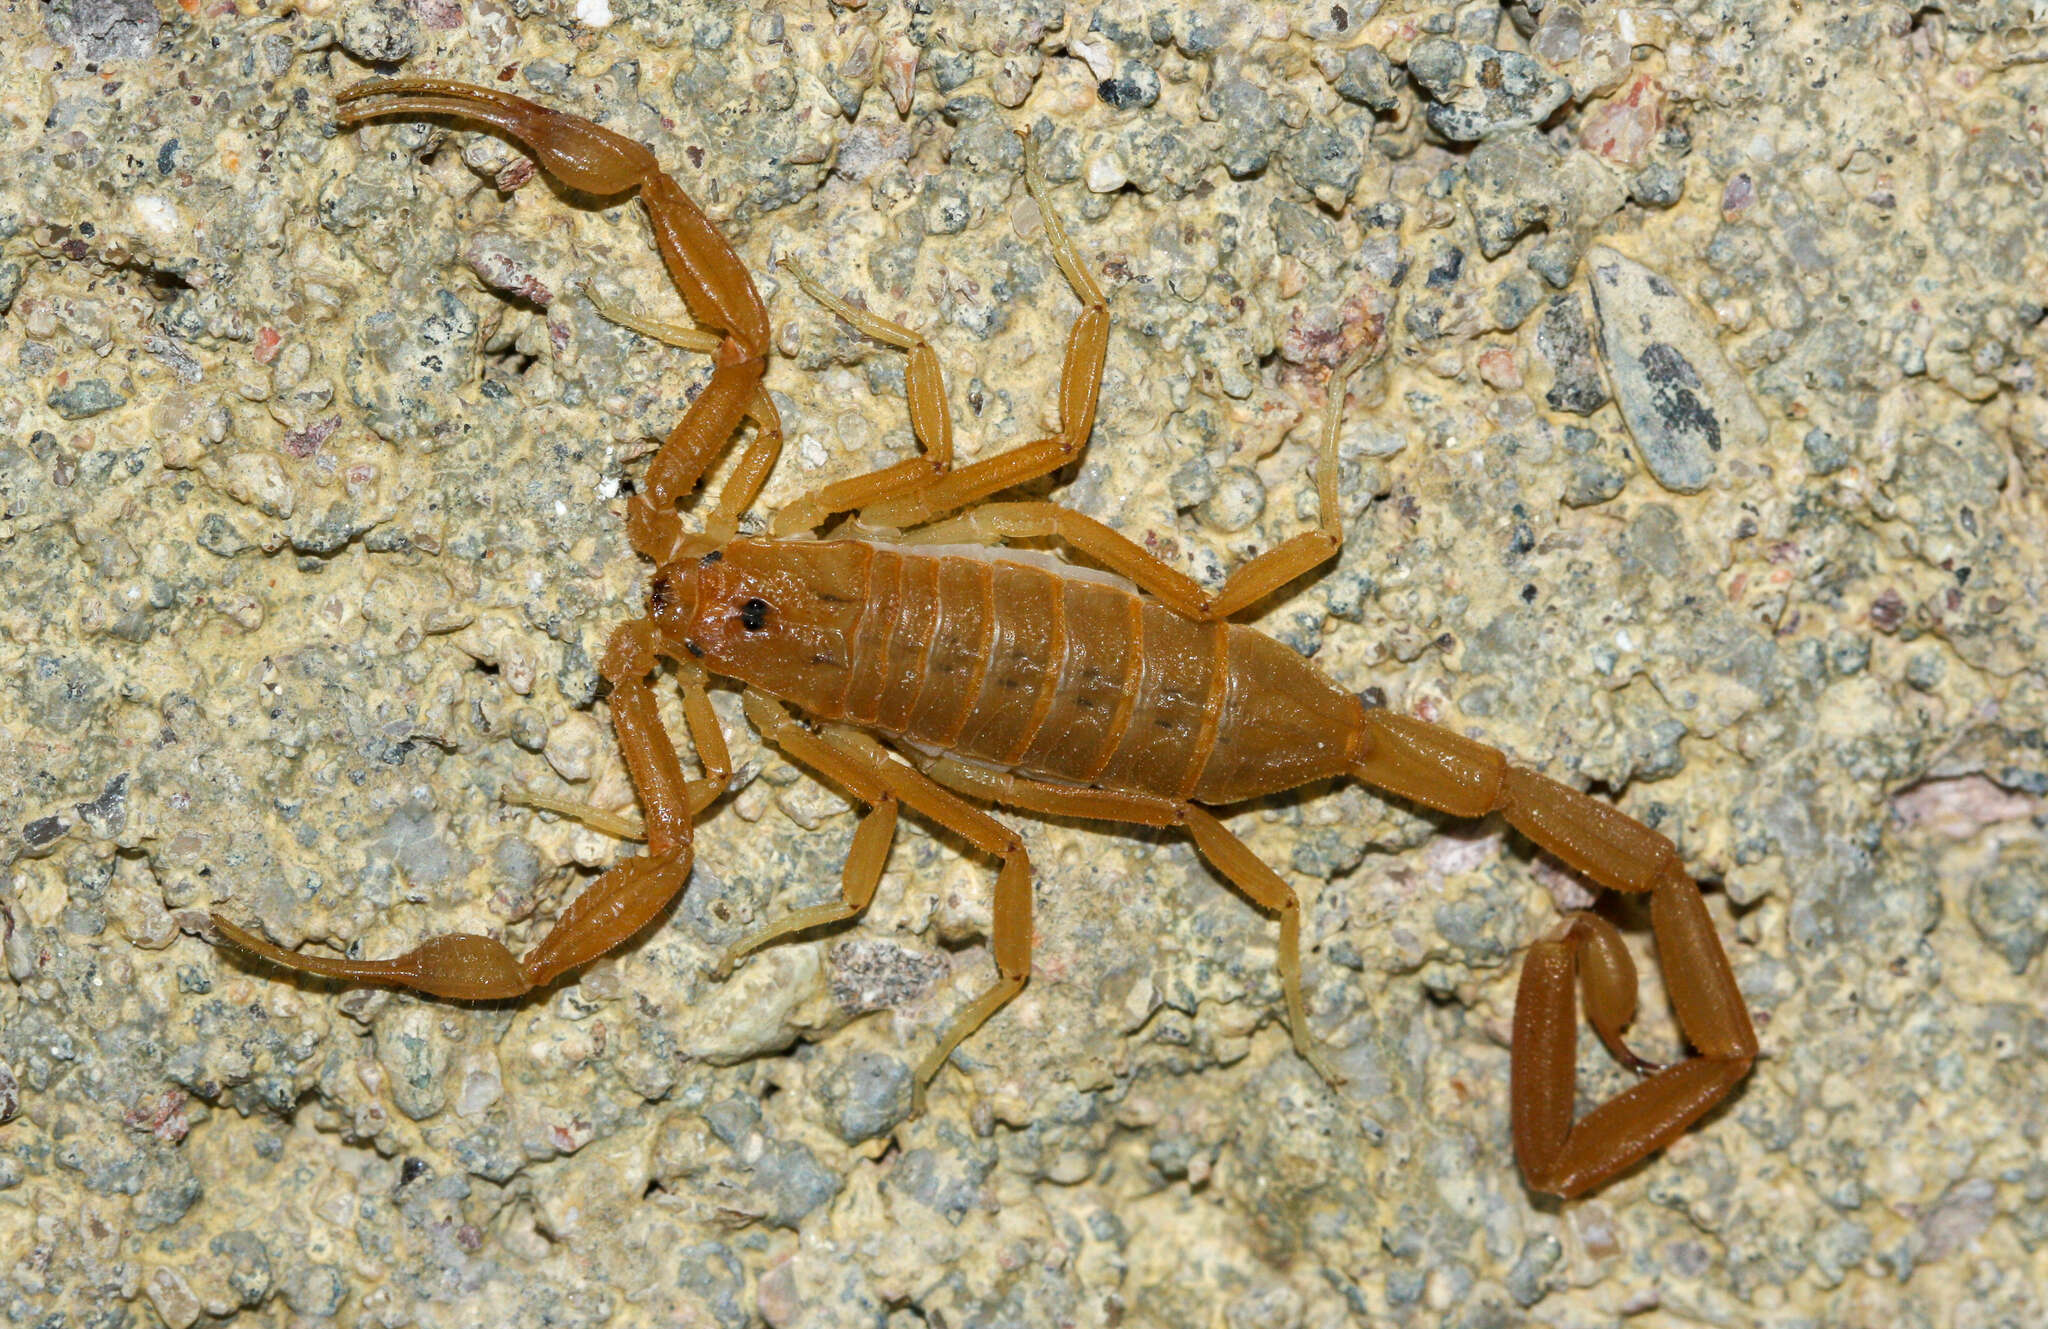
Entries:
{"x":1705,"y":471}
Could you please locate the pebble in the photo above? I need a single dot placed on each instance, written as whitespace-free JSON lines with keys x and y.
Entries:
{"x":1369,"y":78}
{"x":864,"y":1095}
{"x":84,"y":399}
{"x":2008,"y":905}
{"x":1238,"y":500}
{"x":1564,"y":338}
{"x":1682,"y":401}
{"x":380,"y":32}
{"x":1481,"y":91}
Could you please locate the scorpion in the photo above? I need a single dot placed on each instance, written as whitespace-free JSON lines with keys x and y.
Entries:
{"x":1006,"y":676}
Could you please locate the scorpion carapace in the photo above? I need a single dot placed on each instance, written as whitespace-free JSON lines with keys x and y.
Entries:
{"x":1004,"y":676}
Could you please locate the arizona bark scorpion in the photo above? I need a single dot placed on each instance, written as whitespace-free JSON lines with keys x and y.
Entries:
{"x":1009,"y":677}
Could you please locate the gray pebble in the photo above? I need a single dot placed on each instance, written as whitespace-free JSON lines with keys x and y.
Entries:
{"x":1556,"y":259}
{"x":1513,"y":301}
{"x":1681,"y":399}
{"x":1848,"y":652}
{"x":1658,"y":185}
{"x":2008,"y":906}
{"x":1192,"y":482}
{"x":1825,"y":454}
{"x":84,"y":399}
{"x":314,"y":1289}
{"x":1526,"y":1281}
{"x":1238,"y":501}
{"x":1250,"y":126}
{"x":1436,"y":64}
{"x":1482,"y":91}
{"x":248,"y":1265}
{"x":1565,"y":341}
{"x":865,"y":1095}
{"x":946,"y":1182}
{"x":1368,"y":77}
{"x":101,"y":30}
{"x":380,"y":32}
{"x":1133,"y":87}
{"x":1925,"y":669}
{"x":714,"y":1273}
{"x":789,"y":1182}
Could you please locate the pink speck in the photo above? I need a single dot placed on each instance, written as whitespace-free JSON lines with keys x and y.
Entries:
{"x":571,"y":1135}
{"x":1737,"y":197}
{"x":515,"y":174}
{"x":1959,"y":807}
{"x":162,"y":1116}
{"x":443,"y":15}
{"x":307,"y":441}
{"x":267,"y":342}
{"x":1499,"y":369}
{"x":1623,"y":129}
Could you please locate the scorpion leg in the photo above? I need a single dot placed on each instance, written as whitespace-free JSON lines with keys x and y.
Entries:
{"x":618,"y":904}
{"x":1454,"y":774}
{"x":1261,"y":576}
{"x":930,"y":423}
{"x":1080,"y":386}
{"x":700,"y":261}
{"x":1225,"y":852}
{"x":872,"y":838}
{"x":865,"y":769}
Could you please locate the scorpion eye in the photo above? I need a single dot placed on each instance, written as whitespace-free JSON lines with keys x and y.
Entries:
{"x":754,"y":614}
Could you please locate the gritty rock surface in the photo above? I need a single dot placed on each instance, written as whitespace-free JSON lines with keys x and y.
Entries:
{"x":314,"y":457}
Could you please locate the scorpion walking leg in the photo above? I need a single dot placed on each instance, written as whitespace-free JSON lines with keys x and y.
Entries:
{"x":1224,"y":851}
{"x":1446,"y":771}
{"x":930,"y":423}
{"x":700,"y":261}
{"x":915,"y":491}
{"x":872,"y":838}
{"x":1256,"y":579}
{"x":618,"y":904}
{"x":865,"y":769}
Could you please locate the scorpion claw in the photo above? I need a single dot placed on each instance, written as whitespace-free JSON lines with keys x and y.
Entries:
{"x":458,"y":965}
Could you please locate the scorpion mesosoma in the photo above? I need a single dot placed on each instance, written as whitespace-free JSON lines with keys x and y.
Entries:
{"x":1007,"y":677}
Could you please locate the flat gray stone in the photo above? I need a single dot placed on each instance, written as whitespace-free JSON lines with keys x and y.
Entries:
{"x":1681,"y":399}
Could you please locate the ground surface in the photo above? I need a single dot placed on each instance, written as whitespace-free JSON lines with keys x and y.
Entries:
{"x":1706,"y":470}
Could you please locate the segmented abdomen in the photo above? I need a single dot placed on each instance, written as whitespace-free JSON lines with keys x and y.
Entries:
{"x":1085,"y":681}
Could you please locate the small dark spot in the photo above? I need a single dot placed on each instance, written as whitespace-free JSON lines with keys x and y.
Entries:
{"x":657,"y":594}
{"x":1122,"y":93}
{"x":411,"y":1170}
{"x":1375,"y":698}
{"x":43,"y":831}
{"x":754,"y":614}
{"x":825,"y":658}
{"x":1529,"y":594}
{"x":710,"y":558}
{"x":694,"y":649}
